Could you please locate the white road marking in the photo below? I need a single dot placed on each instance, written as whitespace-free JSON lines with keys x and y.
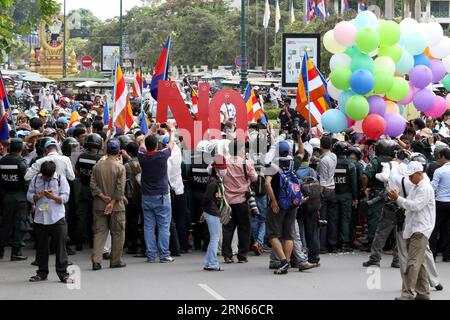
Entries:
{"x":211,"y":291}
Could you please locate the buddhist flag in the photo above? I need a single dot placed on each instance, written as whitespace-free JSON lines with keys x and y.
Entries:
{"x":313,"y":84}
{"x":194,"y":102}
{"x":122,"y":114}
{"x":254,"y":111}
{"x":137,"y":85}
{"x":74,"y":118}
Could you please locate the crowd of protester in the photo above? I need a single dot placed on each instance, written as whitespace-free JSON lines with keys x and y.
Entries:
{"x":71,"y":189}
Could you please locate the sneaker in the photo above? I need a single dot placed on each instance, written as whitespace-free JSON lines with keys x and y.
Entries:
{"x":106,"y":256}
{"x":371,"y":263}
{"x":274,"y":265}
{"x":395,"y":265}
{"x":166,"y":259}
{"x":283,"y":269}
{"x":439,"y":287}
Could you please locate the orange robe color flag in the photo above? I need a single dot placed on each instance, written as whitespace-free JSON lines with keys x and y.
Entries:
{"x":122,"y":114}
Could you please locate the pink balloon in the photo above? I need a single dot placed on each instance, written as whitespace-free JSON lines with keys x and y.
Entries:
{"x":345,"y":33}
{"x":410,"y":95}
{"x":350,"y":122}
{"x":358,"y":126}
{"x":438,"y":109}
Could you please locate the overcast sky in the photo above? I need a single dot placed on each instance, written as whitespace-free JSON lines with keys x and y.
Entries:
{"x":103,"y":9}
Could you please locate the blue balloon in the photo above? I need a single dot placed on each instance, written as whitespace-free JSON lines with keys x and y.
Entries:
{"x":422,"y":59}
{"x":405,"y":64}
{"x":366,"y":19}
{"x":362,"y":81}
{"x":342,"y":101}
{"x":334,"y":121}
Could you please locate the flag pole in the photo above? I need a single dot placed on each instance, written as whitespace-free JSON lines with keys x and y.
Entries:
{"x":307,"y":90}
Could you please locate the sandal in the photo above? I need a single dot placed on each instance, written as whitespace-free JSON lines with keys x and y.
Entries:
{"x":67,"y":279}
{"x":213,"y":269}
{"x":228,"y":260}
{"x":37,"y":278}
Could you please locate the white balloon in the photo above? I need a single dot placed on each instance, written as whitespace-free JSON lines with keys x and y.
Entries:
{"x":435,"y":33}
{"x":442,"y":49}
{"x":408,"y":25}
{"x":424,"y":29}
{"x":333,"y":91}
{"x":340,"y":59}
{"x":446,"y":62}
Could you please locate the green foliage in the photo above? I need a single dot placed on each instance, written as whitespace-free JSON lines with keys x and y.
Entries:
{"x":272,"y":114}
{"x":20,"y":17}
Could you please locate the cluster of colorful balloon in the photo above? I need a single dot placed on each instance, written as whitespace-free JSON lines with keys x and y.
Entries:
{"x":371,"y":59}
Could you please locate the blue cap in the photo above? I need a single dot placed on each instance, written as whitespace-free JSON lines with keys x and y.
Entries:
{"x":164,"y":140}
{"x":62,"y":119}
{"x":51,"y":142}
{"x":283,"y":146}
{"x":113,"y":147}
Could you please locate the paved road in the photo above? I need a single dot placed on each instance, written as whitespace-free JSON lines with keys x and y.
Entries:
{"x":340,"y":276}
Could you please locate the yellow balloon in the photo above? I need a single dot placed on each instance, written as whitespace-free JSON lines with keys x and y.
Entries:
{"x":331,"y":44}
{"x":392,"y":107}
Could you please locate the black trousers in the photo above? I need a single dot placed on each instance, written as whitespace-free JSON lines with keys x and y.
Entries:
{"x":442,"y":229}
{"x":329,"y":212}
{"x":200,"y":232}
{"x":133,"y":212}
{"x":174,"y":243}
{"x":240,"y":218}
{"x":310,"y":219}
{"x":58,"y":232}
{"x":179,"y":215}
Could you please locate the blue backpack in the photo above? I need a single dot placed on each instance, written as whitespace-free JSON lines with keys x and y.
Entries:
{"x":290,"y":189}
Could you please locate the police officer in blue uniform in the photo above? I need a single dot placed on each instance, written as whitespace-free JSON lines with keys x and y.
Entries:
{"x":14,"y":224}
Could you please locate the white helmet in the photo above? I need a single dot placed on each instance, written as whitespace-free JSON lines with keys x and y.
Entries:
{"x":315,"y":143}
{"x":205,"y":146}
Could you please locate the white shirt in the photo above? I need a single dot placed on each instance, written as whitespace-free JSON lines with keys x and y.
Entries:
{"x":274,"y":94}
{"x":229,"y":110}
{"x":398,"y":168}
{"x":63,"y":166}
{"x":420,"y":214}
{"x":48,"y":102}
{"x":174,"y":171}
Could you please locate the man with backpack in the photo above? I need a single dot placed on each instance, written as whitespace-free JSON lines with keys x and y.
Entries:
{"x":283,"y":188}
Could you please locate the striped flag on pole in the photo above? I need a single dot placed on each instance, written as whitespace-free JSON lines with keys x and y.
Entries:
{"x":312,"y":84}
{"x":137,"y":85}
{"x":122,"y":114}
{"x":4,"y":106}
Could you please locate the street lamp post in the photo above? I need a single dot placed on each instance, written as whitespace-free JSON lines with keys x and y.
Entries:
{"x":64,"y":49}
{"x":244,"y":63}
{"x":121,"y":34}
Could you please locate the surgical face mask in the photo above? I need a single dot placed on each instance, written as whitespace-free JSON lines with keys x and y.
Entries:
{"x":222,"y":172}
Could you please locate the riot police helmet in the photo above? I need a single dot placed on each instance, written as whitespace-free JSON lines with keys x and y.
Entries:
{"x":94,"y":140}
{"x":356,"y":151}
{"x":416,"y":156}
{"x":125,"y":140}
{"x":383,"y":147}
{"x":340,"y":148}
{"x":69,"y":145}
{"x":40,"y":146}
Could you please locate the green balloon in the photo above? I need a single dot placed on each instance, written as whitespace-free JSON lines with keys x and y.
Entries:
{"x":362,"y":61}
{"x":399,"y":90}
{"x":367,"y":40}
{"x":383,"y":82}
{"x":352,"y":51}
{"x":389,"y":33}
{"x":394,"y":52}
{"x":446,"y":82}
{"x":340,"y":77}
{"x":357,"y":107}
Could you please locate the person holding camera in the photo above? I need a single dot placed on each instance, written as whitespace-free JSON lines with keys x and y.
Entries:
{"x":49,"y":191}
{"x":286,"y":115}
{"x":240,"y":174}
{"x":420,"y":216}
